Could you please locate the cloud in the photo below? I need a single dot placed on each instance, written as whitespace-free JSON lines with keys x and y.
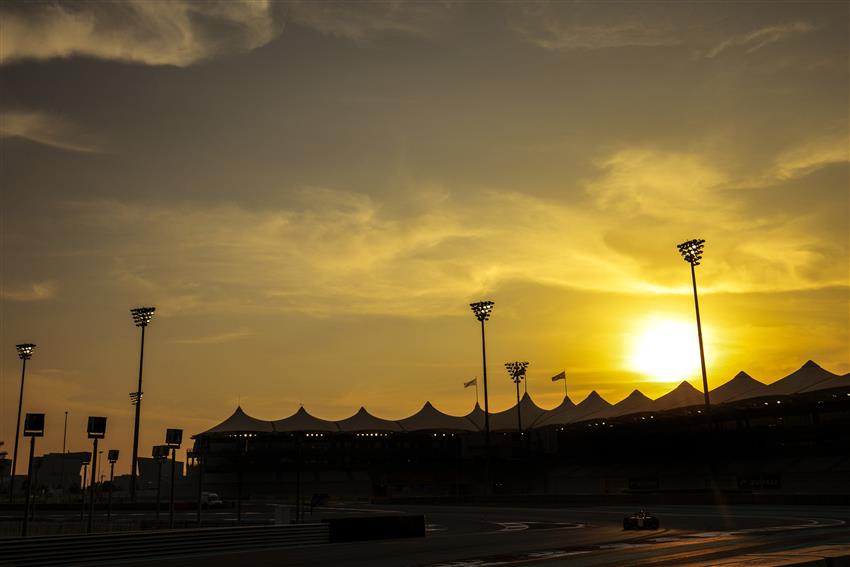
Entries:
{"x":557,"y":37}
{"x":336,"y":252}
{"x":812,"y":155}
{"x":47,"y":129}
{"x":755,"y":40}
{"x":218,"y":339}
{"x":359,"y":21}
{"x":38,"y":291}
{"x":177,"y":32}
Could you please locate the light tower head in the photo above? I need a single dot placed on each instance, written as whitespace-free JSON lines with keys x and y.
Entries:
{"x":516,"y":370}
{"x":691,"y":251}
{"x":142,"y":315}
{"x":25,"y":350}
{"x":482,"y":309}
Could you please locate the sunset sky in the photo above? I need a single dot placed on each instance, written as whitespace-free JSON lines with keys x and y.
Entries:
{"x":312,"y":193}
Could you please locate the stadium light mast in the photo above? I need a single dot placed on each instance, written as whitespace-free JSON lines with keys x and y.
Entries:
{"x":482,"y":310}
{"x":141,"y":317}
{"x":517,"y":370}
{"x":691,"y":251}
{"x":24,"y":353}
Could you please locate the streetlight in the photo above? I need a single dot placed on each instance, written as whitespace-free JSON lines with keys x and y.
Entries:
{"x":141,"y":317}
{"x":173,"y":439}
{"x":24,"y":353}
{"x":112,"y":457}
{"x":96,"y":431}
{"x":86,"y":461}
{"x":160,"y":454}
{"x":33,"y":427}
{"x":482,"y":310}
{"x":516,"y":370}
{"x":691,"y":251}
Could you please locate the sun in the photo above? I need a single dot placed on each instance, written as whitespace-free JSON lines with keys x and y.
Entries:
{"x":666,"y":350}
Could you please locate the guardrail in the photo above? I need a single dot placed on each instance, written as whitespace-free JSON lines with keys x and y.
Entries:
{"x":115,"y":547}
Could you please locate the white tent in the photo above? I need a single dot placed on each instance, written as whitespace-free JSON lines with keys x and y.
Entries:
{"x":555,"y":414}
{"x":684,"y":395}
{"x":741,"y":387}
{"x":430,"y":418}
{"x":303,"y":421}
{"x":636,"y":402}
{"x":507,"y":420}
{"x":241,"y":422}
{"x":806,"y":378}
{"x":365,"y":421}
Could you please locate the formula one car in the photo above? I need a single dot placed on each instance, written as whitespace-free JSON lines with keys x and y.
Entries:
{"x":640,"y":521}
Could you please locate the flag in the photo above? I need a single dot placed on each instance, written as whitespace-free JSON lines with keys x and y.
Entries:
{"x":560,"y":376}
{"x":473,"y":382}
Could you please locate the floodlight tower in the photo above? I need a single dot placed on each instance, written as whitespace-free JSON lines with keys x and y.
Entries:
{"x":141,"y":317}
{"x":24,"y":353}
{"x":691,"y":251}
{"x":516,"y":370}
{"x":482,"y":310}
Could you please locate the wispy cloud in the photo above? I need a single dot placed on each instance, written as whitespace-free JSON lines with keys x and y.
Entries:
{"x":359,"y":21}
{"x":755,"y":40}
{"x":556,"y":36}
{"x":338,"y":252}
{"x":216,"y":339}
{"x":176,"y":33}
{"x":38,"y":291}
{"x":47,"y":129}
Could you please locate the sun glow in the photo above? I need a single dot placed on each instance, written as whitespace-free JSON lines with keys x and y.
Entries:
{"x":666,"y":350}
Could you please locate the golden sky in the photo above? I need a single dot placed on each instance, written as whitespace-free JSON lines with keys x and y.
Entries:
{"x":312,"y":193}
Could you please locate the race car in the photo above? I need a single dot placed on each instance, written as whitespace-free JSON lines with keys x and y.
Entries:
{"x":640,"y":521}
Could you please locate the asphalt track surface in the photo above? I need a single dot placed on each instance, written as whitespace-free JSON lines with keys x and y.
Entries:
{"x":483,"y":536}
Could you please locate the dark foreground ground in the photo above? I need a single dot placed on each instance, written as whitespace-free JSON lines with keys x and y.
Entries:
{"x":482,"y":536}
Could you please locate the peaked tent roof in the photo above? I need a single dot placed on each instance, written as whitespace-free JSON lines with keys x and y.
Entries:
{"x":241,"y":422}
{"x":365,"y":421}
{"x":741,"y":387}
{"x":683,"y":395}
{"x":830,"y":384}
{"x":507,"y":420}
{"x":555,"y":413}
{"x":476,"y":417}
{"x":636,"y":402}
{"x":804,"y":378}
{"x":304,"y":421}
{"x":586,"y":409}
{"x":430,"y":418}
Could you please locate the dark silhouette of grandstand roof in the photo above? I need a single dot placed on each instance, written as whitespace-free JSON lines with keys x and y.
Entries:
{"x":742,"y":386}
{"x":636,"y":402}
{"x":365,"y":421}
{"x":507,"y":420}
{"x":684,"y":395}
{"x":807,"y":379}
{"x":430,"y":418}
{"x":241,"y":422}
{"x":304,"y":421}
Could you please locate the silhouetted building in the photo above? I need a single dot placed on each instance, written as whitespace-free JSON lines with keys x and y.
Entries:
{"x":781,"y":436}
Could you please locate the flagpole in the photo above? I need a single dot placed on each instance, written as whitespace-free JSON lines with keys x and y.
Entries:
{"x":565,"y":386}
{"x":476,"y":391}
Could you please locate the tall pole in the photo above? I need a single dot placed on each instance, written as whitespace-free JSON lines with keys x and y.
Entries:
{"x":486,"y":396}
{"x":518,"y":410}
{"x":136,"y":424}
{"x":691,"y":252}
{"x":83,"y":494}
{"x":701,"y":349}
{"x":171,"y":496}
{"x":62,"y":466}
{"x":111,"y":488}
{"x":29,"y":490}
{"x":200,"y":463}
{"x":17,"y":432}
{"x":158,"y":488}
{"x":92,"y":486}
